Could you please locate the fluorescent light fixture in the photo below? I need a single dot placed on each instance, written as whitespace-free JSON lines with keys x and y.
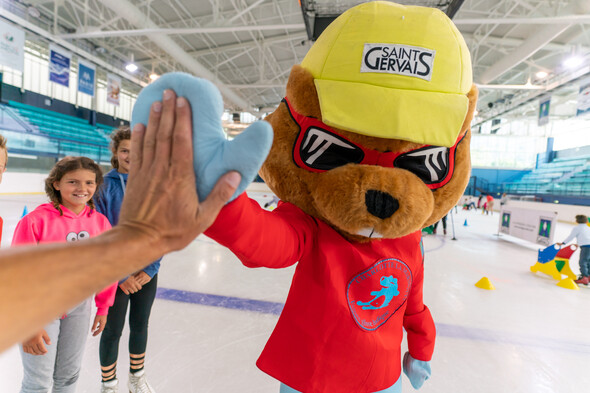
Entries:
{"x":154,"y":76}
{"x":573,"y":61}
{"x":131,"y":67}
{"x":541,"y":74}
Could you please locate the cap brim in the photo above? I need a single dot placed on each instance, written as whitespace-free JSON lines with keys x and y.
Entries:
{"x":425,"y":117}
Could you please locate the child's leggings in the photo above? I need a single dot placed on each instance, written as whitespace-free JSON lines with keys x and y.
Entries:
{"x":60,"y":366}
{"x":585,"y":260}
{"x":139,"y":314}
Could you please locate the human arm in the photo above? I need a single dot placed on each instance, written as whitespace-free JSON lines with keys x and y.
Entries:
{"x":36,"y":344}
{"x":142,"y":277}
{"x":421,"y":334}
{"x":573,"y":234}
{"x":130,"y":285}
{"x":150,"y":271}
{"x":160,"y":213}
{"x":26,"y":232}
{"x":261,"y":238}
{"x":98,"y":325}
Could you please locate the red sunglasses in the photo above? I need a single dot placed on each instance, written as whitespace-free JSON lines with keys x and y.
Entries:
{"x":319,"y":148}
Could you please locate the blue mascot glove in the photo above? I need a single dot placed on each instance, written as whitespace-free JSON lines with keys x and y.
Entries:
{"x":417,"y":371}
{"x":213,"y":154}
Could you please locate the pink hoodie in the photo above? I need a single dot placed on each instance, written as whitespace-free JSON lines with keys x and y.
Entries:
{"x":45,"y":225}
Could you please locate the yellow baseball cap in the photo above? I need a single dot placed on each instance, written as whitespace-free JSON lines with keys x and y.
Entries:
{"x":393,"y":71}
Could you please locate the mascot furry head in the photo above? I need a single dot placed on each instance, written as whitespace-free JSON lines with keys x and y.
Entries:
{"x":373,"y":135}
{"x":371,"y":144}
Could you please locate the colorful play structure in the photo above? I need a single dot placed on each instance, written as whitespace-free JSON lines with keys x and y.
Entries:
{"x":554,"y":262}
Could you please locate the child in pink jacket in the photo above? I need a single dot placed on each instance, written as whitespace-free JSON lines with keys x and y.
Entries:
{"x":54,"y":355}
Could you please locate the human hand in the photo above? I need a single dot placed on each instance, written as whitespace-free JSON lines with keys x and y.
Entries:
{"x":130,"y":285}
{"x":417,"y":371}
{"x":35,"y":345}
{"x":161,"y":199}
{"x":142,"y":277}
{"x":98,"y":325}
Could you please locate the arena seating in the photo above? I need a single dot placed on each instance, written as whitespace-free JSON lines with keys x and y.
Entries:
{"x":67,"y":135}
{"x":562,"y":176}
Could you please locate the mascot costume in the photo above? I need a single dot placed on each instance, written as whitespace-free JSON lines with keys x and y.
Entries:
{"x":369,"y":146}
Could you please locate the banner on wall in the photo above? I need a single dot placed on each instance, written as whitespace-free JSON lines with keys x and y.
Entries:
{"x":113,"y":89}
{"x":583,"y":99}
{"x":537,"y":226}
{"x":86,"y":77}
{"x":544,"y":104}
{"x":12,"y":46}
{"x":59,"y":65}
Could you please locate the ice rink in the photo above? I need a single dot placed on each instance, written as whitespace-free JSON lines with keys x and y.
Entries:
{"x":213,"y":316}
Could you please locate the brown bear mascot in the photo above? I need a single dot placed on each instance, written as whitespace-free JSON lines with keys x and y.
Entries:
{"x":371,"y":144}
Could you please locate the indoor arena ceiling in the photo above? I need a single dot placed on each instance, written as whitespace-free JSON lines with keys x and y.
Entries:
{"x":248,"y":46}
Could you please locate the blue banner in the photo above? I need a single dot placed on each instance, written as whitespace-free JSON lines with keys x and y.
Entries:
{"x":583,"y":99}
{"x":86,"y":78}
{"x":544,"y":104}
{"x":59,"y":66}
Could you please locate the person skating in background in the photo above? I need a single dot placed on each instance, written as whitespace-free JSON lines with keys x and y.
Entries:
{"x":489,"y":205}
{"x":137,"y":290}
{"x":53,"y":356}
{"x":581,"y":233}
{"x":444,"y":225}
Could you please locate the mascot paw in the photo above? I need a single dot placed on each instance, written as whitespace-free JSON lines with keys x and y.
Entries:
{"x":417,"y":371}
{"x":213,"y":154}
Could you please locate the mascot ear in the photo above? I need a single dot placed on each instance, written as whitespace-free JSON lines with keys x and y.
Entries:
{"x":213,"y":155}
{"x":472,"y":96}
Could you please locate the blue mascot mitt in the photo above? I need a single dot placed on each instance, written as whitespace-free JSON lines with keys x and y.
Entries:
{"x":213,"y":154}
{"x":417,"y":371}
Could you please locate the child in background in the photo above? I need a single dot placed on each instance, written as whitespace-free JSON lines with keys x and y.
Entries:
{"x":139,"y":289}
{"x":54,"y":355}
{"x":3,"y":156}
{"x":582,"y":234}
{"x":3,"y":161}
{"x":489,"y":206}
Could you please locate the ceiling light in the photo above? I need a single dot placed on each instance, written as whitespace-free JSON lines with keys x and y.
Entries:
{"x":541,"y":74}
{"x":573,"y":61}
{"x":34,"y":12}
{"x":131,"y":67}
{"x":154,"y":76}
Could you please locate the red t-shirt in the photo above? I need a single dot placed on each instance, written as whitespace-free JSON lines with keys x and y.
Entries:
{"x":341,"y":327}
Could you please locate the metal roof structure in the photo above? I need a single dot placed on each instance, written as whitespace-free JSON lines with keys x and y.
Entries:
{"x":247,"y":47}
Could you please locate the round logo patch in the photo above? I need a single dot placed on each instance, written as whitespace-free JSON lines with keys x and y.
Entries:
{"x":375,"y":294}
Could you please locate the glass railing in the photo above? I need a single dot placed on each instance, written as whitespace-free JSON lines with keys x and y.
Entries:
{"x":579,"y":186}
{"x":30,"y":143}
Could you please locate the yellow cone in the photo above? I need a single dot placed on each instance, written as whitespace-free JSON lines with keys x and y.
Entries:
{"x":568,"y":283}
{"x":484,"y":283}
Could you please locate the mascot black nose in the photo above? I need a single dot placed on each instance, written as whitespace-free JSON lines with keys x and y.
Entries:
{"x":380,"y":204}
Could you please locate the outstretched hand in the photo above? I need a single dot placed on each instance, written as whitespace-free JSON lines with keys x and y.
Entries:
{"x":417,"y":371}
{"x":161,"y":199}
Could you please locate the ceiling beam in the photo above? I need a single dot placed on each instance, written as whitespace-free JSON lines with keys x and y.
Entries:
{"x":529,"y":47}
{"x":180,"y":31}
{"x":137,"y":18}
{"x":552,"y":20}
{"x":38,"y":31}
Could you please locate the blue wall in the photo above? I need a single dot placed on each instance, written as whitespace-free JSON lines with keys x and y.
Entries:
{"x":498,"y":176}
